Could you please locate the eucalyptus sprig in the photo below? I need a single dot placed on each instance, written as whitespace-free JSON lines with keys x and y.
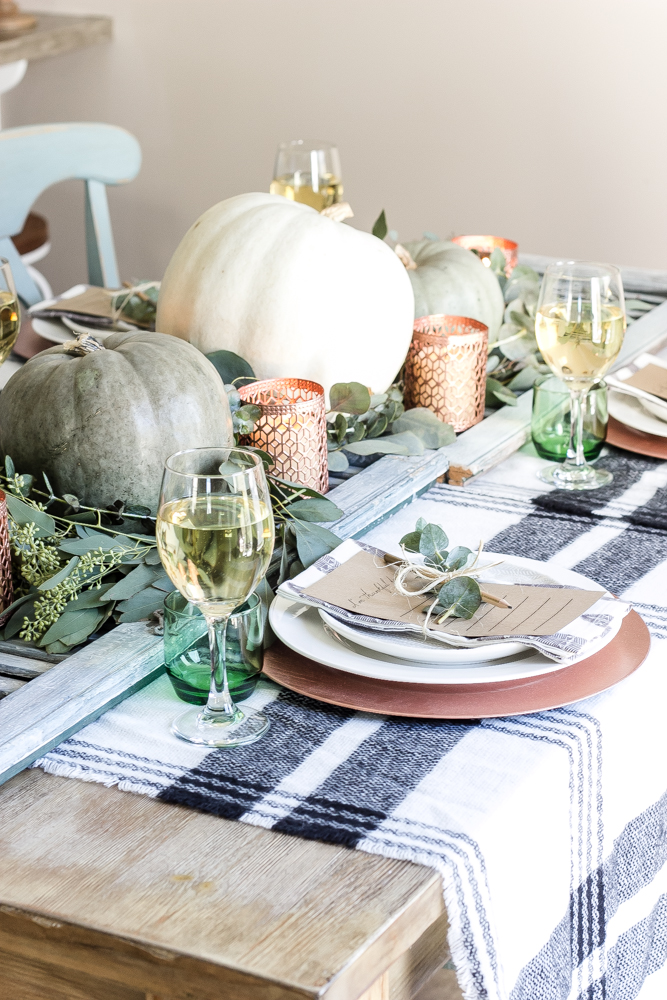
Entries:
{"x":449,"y":574}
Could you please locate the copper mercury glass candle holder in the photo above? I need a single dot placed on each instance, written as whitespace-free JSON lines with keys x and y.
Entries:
{"x":485,"y":245}
{"x":292,"y":428}
{"x":445,"y":369}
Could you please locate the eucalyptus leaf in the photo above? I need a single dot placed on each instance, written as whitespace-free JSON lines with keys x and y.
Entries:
{"x":230,"y":366}
{"x":10,"y":470}
{"x":412,"y":539}
{"x":313,"y":541}
{"x":460,"y":597}
{"x":522,"y":320}
{"x":433,"y":544}
{"x":341,"y":427}
{"x":378,"y":446}
{"x":377,"y":427}
{"x":152,"y":558}
{"x":523,"y":380}
{"x":359,"y":432}
{"x":421,"y":524}
{"x":23,"y":513}
{"x":138,"y":510}
{"x":57,"y":647}
{"x":71,"y":623}
{"x":496,"y":393}
{"x":411,"y":441}
{"x":349,"y":397}
{"x":61,"y":575}
{"x":497,"y":260}
{"x":337,"y":461}
{"x":458,"y":557}
{"x":19,"y":602}
{"x":378,"y":398}
{"x":26,"y":610}
{"x":315,"y":510}
{"x":141,"y":605}
{"x":380,"y":226}
{"x":72,"y":500}
{"x":163,"y":583}
{"x":422,"y":422}
{"x":94,"y":597}
{"x":77,"y":546}
{"x":139,"y":578}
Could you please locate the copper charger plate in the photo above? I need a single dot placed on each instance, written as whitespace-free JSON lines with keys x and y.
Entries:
{"x":641,"y":443}
{"x":617,"y":660}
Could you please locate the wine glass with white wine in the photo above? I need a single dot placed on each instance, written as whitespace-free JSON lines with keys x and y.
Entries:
{"x":308,"y":172}
{"x":10,"y":313}
{"x":215,"y":535}
{"x":579,"y":325}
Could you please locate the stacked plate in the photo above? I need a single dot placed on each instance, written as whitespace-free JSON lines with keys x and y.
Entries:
{"x":324,"y":639}
{"x":59,"y":331}
{"x":633,"y":417}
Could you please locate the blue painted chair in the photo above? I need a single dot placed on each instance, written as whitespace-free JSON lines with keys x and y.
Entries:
{"x":35,"y":157}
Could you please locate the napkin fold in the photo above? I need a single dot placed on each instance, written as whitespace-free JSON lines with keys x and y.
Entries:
{"x":582,"y":638}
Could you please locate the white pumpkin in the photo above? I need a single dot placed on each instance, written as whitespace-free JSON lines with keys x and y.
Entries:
{"x":294,"y":293}
{"x":452,"y":280}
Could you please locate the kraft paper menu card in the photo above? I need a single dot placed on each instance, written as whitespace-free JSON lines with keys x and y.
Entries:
{"x":650,"y":378}
{"x":365,"y":585}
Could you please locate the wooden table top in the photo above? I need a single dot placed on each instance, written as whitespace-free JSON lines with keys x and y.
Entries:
{"x":151,"y":899}
{"x":55,"y":34}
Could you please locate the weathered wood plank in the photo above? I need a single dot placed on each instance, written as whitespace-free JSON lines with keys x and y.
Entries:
{"x":195,"y":905}
{"x":34,"y":653}
{"x":8,"y":685}
{"x":383,"y":488}
{"x":58,"y":703}
{"x":635,"y":279}
{"x":55,"y":34}
{"x":23,"y":667}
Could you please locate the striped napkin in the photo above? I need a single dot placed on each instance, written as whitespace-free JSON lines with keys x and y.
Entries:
{"x":583,"y":637}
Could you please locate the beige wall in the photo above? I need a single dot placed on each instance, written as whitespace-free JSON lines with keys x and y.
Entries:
{"x":540,"y":120}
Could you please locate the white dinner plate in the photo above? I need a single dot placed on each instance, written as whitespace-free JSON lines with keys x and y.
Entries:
{"x":300,"y":627}
{"x":630,"y":411}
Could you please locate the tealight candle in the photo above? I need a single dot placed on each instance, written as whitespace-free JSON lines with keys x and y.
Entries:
{"x":485,"y":245}
{"x":292,"y":428}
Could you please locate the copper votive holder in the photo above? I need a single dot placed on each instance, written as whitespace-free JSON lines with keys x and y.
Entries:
{"x":6,"y":586}
{"x":485,"y":245}
{"x":445,"y":369}
{"x":292,"y":428}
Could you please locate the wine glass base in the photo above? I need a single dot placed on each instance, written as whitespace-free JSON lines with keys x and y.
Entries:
{"x":587,"y":478}
{"x":246,"y":727}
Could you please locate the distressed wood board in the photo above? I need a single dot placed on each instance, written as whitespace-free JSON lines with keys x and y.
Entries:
{"x":195,"y":905}
{"x":38,"y":715}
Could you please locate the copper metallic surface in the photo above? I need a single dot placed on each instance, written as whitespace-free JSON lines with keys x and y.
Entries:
{"x":6,"y":588}
{"x":619,"y":658}
{"x":292,"y":428}
{"x":445,"y":369}
{"x":622,"y":436}
{"x":485,"y":245}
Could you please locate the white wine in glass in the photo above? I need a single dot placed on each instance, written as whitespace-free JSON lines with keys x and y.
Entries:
{"x":308,"y":172}
{"x":10,"y":313}
{"x":579,"y":326}
{"x":215,"y":535}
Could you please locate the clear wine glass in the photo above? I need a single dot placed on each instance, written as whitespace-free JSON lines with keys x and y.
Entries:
{"x":579,"y":325}
{"x":215,"y":535}
{"x":10,"y":313}
{"x":308,"y":172}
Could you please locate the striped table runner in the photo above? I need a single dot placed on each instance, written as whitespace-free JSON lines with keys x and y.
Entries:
{"x":549,"y":830}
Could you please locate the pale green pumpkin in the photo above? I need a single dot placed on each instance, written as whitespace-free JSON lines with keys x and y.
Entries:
{"x":453,"y":281}
{"x":101,"y":425}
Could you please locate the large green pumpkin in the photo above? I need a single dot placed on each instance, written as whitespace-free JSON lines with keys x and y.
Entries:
{"x":102,"y":424}
{"x":452,"y":280}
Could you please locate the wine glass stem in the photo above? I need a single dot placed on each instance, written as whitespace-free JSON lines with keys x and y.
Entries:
{"x":575,"y":451}
{"x":219,"y":704}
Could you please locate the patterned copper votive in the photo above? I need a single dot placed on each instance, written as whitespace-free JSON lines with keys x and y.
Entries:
{"x":485,"y":245}
{"x":6,"y":586}
{"x":445,"y":369}
{"x":292,"y":428}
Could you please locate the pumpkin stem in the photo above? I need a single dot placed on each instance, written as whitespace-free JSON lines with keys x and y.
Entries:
{"x":339,"y":212}
{"x":405,"y":257}
{"x":84,"y":344}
